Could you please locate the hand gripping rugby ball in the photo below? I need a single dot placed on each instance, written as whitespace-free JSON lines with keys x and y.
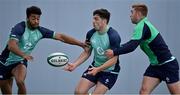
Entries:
{"x":57,"y":59}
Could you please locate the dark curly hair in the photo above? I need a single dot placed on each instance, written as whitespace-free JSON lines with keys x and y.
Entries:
{"x":33,"y":10}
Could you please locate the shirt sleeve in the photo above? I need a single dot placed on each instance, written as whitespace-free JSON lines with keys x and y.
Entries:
{"x":17,"y":31}
{"x":127,"y":47}
{"x":114,"y":39}
{"x":132,"y":44}
{"x":88,"y":37}
{"x":47,"y":33}
{"x":140,"y":34}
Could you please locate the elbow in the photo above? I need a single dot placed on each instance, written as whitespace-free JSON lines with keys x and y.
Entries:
{"x":86,"y":53}
{"x":11,"y":44}
{"x":10,"y":47}
{"x":132,"y":49}
{"x":59,"y":37}
{"x":128,"y":50}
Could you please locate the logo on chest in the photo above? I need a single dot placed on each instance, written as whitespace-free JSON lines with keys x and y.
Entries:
{"x":27,"y":46}
{"x":100,"y":50}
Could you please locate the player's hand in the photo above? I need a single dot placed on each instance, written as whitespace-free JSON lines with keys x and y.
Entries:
{"x":109,"y":53}
{"x":28,"y":57}
{"x":93,"y":71}
{"x":88,"y":43}
{"x":69,"y":67}
{"x":84,"y":45}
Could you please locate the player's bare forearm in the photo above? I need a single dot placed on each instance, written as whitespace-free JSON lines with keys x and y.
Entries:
{"x":13,"y":47}
{"x":70,"y":40}
{"x":108,"y":63}
{"x":83,"y":57}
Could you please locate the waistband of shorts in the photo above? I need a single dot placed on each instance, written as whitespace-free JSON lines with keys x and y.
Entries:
{"x":1,"y":62}
{"x":107,"y":71}
{"x":167,"y":61}
{"x":21,"y":61}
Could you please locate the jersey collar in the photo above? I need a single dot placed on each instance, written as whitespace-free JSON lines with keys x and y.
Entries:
{"x":105,"y":30}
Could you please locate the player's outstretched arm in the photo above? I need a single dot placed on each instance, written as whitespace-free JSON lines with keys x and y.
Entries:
{"x":128,"y":47}
{"x":94,"y":70}
{"x":69,"y":40}
{"x":81,"y":59}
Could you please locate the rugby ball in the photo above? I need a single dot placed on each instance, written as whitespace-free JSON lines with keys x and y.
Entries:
{"x":57,"y":59}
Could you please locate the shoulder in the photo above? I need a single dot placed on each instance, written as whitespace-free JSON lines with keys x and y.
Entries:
{"x":20,"y":25}
{"x":43,"y":29}
{"x":47,"y":33}
{"x":113,"y":33}
{"x":114,"y":38}
{"x":90,"y":33}
{"x":19,"y":28}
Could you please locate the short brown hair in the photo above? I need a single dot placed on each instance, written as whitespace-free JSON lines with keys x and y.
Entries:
{"x":142,"y":8}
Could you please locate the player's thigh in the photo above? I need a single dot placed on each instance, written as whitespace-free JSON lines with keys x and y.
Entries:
{"x":2,"y":82}
{"x":84,"y":85}
{"x":174,"y":88}
{"x":6,"y":82}
{"x":149,"y":83}
{"x":100,"y":88}
{"x":19,"y":72}
{"x":6,"y":86}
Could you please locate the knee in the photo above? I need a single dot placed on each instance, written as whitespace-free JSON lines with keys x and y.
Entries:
{"x":79,"y":92}
{"x":20,"y":83}
{"x":144,"y":90}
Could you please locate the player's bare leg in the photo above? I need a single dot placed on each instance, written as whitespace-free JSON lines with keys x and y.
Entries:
{"x":100,"y":89}
{"x":148,"y":85}
{"x":83,"y":87}
{"x":6,"y":86}
{"x":174,"y":88}
{"x":19,"y":73}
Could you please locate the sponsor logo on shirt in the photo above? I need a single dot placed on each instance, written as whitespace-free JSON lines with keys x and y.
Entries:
{"x":100,"y":51}
{"x":27,"y":46}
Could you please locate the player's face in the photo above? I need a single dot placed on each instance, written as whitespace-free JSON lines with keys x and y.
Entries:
{"x":98,"y":22}
{"x":34,"y":20}
{"x":134,"y":16}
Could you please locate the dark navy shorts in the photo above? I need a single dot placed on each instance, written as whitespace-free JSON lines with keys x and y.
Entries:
{"x":106,"y":78}
{"x":5,"y":71}
{"x":168,"y":72}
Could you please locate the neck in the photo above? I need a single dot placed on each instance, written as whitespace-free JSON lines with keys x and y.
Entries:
{"x":141,"y":18}
{"x":103,"y":29}
{"x":29,"y":26}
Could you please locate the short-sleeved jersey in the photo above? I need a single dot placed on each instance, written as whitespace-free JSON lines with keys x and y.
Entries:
{"x":27,"y":40}
{"x":151,"y":42}
{"x":100,"y":42}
